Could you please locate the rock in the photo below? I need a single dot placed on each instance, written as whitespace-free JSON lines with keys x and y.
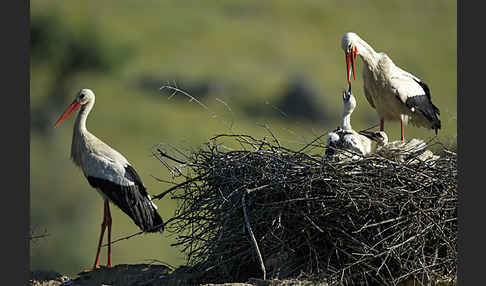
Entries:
{"x":47,"y":278}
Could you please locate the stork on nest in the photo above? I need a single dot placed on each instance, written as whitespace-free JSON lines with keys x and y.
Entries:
{"x":394,"y":93}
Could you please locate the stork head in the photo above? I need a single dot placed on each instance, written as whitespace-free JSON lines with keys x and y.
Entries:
{"x":349,"y":45}
{"x":379,"y":137}
{"x":82,"y":97}
{"x":349,"y":101}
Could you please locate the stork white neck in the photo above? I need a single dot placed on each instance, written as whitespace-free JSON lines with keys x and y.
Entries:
{"x":346,"y":119}
{"x":367,"y":53}
{"x":81,"y":136}
{"x":80,"y":123}
{"x":349,"y":103}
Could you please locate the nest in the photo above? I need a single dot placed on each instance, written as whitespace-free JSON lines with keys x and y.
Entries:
{"x":268,"y":211}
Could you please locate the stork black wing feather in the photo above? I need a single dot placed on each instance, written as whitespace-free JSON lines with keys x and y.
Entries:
{"x":133,"y":176}
{"x":422,"y":103}
{"x":132,"y":200}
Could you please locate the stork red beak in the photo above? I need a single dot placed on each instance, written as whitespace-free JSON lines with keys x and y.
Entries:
{"x":351,"y":58}
{"x":71,"y":108}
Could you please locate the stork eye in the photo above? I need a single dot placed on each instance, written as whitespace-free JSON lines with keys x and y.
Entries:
{"x":81,"y":96}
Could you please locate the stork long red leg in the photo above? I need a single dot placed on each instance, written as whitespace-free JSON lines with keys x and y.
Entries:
{"x":401,"y":130}
{"x":382,"y":124}
{"x":108,"y":221}
{"x":103,"y":227}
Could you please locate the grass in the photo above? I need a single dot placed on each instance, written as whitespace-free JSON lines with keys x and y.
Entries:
{"x":253,"y":46}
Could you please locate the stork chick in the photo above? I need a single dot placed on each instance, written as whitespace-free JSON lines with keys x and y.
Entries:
{"x":400,"y":151}
{"x":344,"y":141}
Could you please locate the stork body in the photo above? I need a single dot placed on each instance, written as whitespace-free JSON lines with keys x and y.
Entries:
{"x":393,"y":92}
{"x":400,"y":151}
{"x":110,"y":173}
{"x":344,"y":137}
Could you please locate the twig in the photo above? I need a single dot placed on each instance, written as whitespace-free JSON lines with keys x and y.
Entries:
{"x":123,"y":238}
{"x":271,"y":133}
{"x":164,"y":154}
{"x":191,"y":98}
{"x":161,"y":195}
{"x":38,"y":236}
{"x":252,"y":236}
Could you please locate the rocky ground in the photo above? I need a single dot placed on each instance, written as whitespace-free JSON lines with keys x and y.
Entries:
{"x":156,"y":275}
{"x":139,"y":275}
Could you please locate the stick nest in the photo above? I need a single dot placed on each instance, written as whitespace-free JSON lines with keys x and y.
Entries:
{"x":268,"y":211}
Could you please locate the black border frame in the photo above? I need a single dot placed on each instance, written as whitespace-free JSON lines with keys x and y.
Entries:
{"x":15,"y":115}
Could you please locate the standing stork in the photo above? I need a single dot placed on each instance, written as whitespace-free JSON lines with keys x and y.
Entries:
{"x":344,"y":137}
{"x":393,"y":92}
{"x":110,"y":174}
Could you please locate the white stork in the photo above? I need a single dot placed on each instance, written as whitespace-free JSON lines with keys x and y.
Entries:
{"x":344,"y":137}
{"x":393,"y":92}
{"x":400,"y":151}
{"x":110,"y":174}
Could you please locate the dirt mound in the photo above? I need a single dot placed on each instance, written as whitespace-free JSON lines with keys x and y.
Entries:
{"x":140,"y":275}
{"x":156,"y":275}
{"x":123,"y":274}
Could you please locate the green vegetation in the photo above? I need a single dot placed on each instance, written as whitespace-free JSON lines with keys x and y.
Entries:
{"x":247,"y":51}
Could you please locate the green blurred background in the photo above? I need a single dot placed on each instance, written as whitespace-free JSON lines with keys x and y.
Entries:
{"x":250,"y":62}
